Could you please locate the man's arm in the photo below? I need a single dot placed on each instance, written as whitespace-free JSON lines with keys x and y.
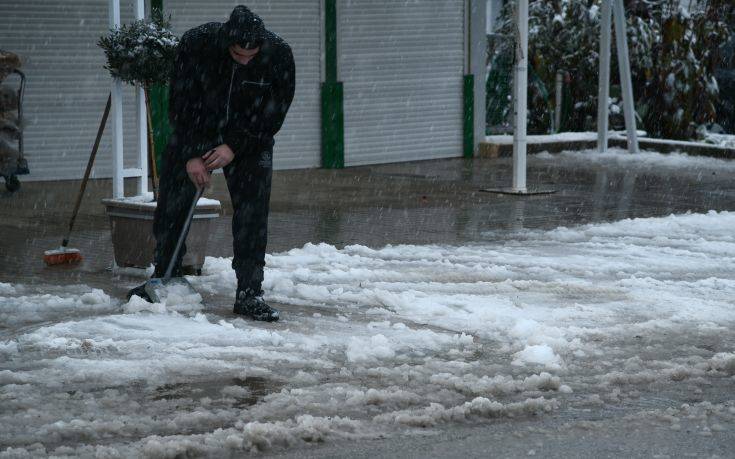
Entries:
{"x":275,"y":108}
{"x":185,"y":102}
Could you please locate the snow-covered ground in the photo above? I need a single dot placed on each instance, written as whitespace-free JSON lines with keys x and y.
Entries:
{"x":720,"y":140}
{"x":379,"y":342}
{"x":644,"y":161}
{"x":507,"y":139}
{"x":723,"y":140}
{"x":586,"y":136}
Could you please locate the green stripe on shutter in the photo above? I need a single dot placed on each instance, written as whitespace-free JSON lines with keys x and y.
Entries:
{"x":333,"y":126}
{"x":333,"y":143}
{"x":468,"y":120}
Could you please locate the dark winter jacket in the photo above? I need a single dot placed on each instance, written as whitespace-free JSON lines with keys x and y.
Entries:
{"x":214,"y":100}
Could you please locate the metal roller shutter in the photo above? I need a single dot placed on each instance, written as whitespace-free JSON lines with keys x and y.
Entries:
{"x":67,"y":85}
{"x":401,"y":63}
{"x":298,"y":22}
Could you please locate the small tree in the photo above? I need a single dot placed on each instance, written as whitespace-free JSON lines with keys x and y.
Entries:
{"x":563,"y":36}
{"x":673,"y":55}
{"x":141,"y":53}
{"x":680,"y":92}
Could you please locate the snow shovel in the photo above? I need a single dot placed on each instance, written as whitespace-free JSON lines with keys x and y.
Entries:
{"x":157,"y":288}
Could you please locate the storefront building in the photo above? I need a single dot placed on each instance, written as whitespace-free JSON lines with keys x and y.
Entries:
{"x":377,"y":81}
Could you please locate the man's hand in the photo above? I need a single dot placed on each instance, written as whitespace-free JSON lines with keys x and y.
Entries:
{"x":218,"y":157}
{"x":198,"y":173}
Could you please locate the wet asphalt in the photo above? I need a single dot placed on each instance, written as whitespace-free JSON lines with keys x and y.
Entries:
{"x":429,"y":202}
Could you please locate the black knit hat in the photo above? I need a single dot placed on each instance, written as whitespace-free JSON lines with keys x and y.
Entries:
{"x":244,"y":28}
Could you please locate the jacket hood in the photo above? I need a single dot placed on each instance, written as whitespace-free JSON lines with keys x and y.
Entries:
{"x":244,"y":28}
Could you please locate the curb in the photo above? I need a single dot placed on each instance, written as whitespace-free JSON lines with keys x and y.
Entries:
{"x":504,"y":149}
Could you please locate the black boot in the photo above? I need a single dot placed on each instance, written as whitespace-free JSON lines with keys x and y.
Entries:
{"x":254,"y":307}
{"x":139,"y":291}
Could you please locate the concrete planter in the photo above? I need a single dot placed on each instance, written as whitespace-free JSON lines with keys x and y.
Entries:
{"x":131,"y":222}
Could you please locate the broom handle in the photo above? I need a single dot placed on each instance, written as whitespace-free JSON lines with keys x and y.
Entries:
{"x":151,"y":147}
{"x":83,"y":187}
{"x":184,"y":232}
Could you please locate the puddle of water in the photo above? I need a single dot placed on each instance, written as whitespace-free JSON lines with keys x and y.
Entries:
{"x":256,"y":388}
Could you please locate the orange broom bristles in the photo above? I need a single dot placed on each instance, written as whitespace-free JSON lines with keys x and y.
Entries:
{"x":62,"y":255}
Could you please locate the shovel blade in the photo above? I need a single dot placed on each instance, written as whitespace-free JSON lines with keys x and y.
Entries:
{"x":159,"y":289}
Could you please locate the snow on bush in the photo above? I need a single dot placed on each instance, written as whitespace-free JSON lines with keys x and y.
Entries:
{"x":142,"y":52}
{"x":673,"y":54}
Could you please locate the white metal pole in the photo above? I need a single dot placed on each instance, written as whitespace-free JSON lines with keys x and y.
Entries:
{"x":118,"y":186}
{"x":520,"y":95}
{"x":621,"y":39}
{"x":118,"y":190}
{"x":557,"y":103}
{"x":142,"y":120}
{"x":603,"y":94}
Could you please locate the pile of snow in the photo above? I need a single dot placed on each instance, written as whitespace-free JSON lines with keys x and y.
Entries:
{"x":507,"y":139}
{"x":479,"y":407}
{"x":722,"y":140}
{"x":22,"y":305}
{"x":174,"y":297}
{"x":406,"y":336}
{"x":547,"y":296}
{"x":588,"y":136}
{"x":500,"y":384}
{"x":541,"y":354}
{"x":645,"y":159}
{"x":147,"y":200}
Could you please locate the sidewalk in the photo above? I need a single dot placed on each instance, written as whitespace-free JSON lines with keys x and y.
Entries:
{"x":425,"y":202}
{"x":502,"y":145}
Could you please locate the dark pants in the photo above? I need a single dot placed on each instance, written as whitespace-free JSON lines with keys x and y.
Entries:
{"x":249,"y":182}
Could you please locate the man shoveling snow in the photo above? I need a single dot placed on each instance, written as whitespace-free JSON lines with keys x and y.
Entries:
{"x":231,"y":88}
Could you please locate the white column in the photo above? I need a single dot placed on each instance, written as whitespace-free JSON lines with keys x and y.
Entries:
{"x":621,"y":39}
{"x":477,"y":65}
{"x":142,"y":120}
{"x":520,"y":95}
{"x":603,"y":94}
{"x":118,"y":190}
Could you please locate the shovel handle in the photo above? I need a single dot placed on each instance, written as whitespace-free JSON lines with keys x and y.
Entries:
{"x":184,"y":233}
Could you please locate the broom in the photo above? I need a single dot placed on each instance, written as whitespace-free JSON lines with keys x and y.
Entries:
{"x":64,"y":254}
